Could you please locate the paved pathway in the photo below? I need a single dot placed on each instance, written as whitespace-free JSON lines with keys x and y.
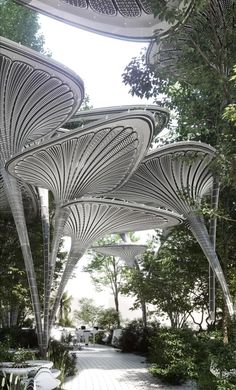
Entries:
{"x":104,"y":368}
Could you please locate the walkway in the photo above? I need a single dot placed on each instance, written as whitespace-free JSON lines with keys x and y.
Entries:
{"x":104,"y":368}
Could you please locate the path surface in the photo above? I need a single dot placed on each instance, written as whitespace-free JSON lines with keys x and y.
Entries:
{"x":104,"y":368}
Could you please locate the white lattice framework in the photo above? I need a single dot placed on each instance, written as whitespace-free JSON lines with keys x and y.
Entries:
{"x":29,"y":197}
{"x":37,"y":95}
{"x":127,"y":252}
{"x":125,"y":19}
{"x":160,"y":115}
{"x":91,"y":219}
{"x":98,"y":158}
{"x":210,"y":21}
{"x":176,"y":177}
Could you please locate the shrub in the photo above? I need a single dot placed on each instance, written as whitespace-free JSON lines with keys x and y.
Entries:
{"x":173,"y":355}
{"x":222,"y":358}
{"x":10,"y":382}
{"x":24,"y":338}
{"x":135,"y":338}
{"x":62,"y":358}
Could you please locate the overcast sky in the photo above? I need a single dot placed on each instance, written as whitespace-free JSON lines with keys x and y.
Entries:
{"x":98,"y":60}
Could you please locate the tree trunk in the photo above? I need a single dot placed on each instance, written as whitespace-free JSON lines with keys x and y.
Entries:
{"x":225,"y":321}
{"x":144,"y":313}
{"x":116,"y":300}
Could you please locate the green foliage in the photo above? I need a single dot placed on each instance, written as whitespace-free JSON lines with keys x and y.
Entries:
{"x":100,"y":336}
{"x":172,"y":354}
{"x":174,"y":279}
{"x":62,"y":359}
{"x":135,"y":338}
{"x":20,"y":25}
{"x":107,"y":271}
{"x":20,"y":356}
{"x":19,"y":338}
{"x":108,"y":319}
{"x":220,"y":357}
{"x":88,"y":312}
{"x":65,"y":309}
{"x":164,"y":11}
{"x":230,"y":110}
{"x":180,"y":354}
{"x":10,"y":382}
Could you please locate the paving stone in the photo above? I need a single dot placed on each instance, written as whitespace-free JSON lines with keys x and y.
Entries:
{"x":104,"y":368}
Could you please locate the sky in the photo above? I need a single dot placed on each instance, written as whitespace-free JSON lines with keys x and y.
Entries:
{"x":99,"y":61}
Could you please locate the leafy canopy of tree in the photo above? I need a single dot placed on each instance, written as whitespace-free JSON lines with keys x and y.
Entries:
{"x":88,"y":312}
{"x":21,"y":25}
{"x":91,"y":314}
{"x":107,"y":271}
{"x":174,"y":279}
{"x":65,"y":309}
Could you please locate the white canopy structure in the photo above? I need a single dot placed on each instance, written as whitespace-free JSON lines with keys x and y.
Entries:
{"x":108,"y":157}
{"x":160,"y":115}
{"x":127,"y":252}
{"x":124,"y":19}
{"x":99,"y":158}
{"x":90,"y":219}
{"x":37,"y":95}
{"x":176,"y":177}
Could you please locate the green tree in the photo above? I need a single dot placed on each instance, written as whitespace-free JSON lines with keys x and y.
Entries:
{"x":88,"y":312}
{"x":107,"y":271}
{"x":108,"y":319}
{"x":65,"y":309}
{"x":13,"y":293}
{"x":174,"y":279}
{"x":20,"y":25}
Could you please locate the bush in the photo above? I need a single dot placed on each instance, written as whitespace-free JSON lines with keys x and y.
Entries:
{"x":62,"y":358}
{"x":173,"y":355}
{"x":103,"y":337}
{"x":10,"y":382}
{"x":135,"y":338}
{"x":179,"y":354}
{"x":24,"y":338}
{"x":221,"y":358}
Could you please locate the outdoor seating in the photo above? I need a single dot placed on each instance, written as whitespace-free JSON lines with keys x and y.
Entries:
{"x":30,"y":385}
{"x":44,"y":379}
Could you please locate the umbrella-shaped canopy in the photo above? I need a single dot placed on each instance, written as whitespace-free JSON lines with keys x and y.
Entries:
{"x":37,"y":95}
{"x":90,"y":219}
{"x":127,"y":252}
{"x":97,"y":159}
{"x":175,"y":176}
{"x":125,"y":19}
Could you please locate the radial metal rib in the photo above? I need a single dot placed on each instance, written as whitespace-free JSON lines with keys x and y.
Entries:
{"x":90,"y":219}
{"x":37,"y":95}
{"x":161,"y":115}
{"x":127,"y":252}
{"x":129,"y":19}
{"x":99,"y":158}
{"x":176,"y":177}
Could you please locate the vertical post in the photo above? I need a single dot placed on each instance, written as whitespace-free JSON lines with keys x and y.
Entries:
{"x":212,"y":236}
{"x":199,"y":230}
{"x":15,"y":201}
{"x":44,"y":203}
